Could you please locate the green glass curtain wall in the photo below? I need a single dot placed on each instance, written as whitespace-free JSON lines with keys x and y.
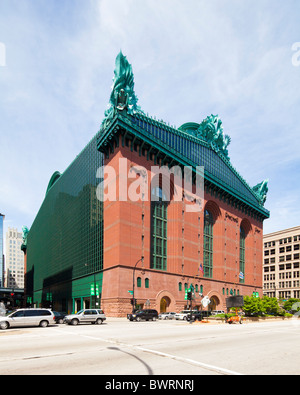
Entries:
{"x":65,"y":241}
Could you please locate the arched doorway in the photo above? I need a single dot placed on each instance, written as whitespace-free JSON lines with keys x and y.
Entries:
{"x":164,"y":304}
{"x":214,"y":302}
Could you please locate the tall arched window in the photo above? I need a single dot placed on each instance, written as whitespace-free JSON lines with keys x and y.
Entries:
{"x":139,"y":282}
{"x":242,"y":255}
{"x":159,"y":216}
{"x":208,"y":244}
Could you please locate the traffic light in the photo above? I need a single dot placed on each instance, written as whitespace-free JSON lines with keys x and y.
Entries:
{"x":189,"y":295}
{"x":132,"y":301}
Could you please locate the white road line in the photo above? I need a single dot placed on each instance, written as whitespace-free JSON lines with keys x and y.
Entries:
{"x":192,"y":361}
{"x":162,"y":354}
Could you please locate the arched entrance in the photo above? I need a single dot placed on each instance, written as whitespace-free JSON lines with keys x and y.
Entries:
{"x":164,"y":304}
{"x":214,"y":302}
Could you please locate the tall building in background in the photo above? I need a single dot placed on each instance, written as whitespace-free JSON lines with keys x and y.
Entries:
{"x":281,"y":269}
{"x":1,"y":251}
{"x":14,"y":259}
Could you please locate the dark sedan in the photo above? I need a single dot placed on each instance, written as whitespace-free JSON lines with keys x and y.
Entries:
{"x":59,"y":317}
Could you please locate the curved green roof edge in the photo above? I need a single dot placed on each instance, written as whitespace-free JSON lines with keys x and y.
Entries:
{"x":55,"y":176}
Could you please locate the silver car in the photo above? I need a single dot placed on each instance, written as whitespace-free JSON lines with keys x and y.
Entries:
{"x":166,"y":316}
{"x":93,"y":316}
{"x":28,"y":317}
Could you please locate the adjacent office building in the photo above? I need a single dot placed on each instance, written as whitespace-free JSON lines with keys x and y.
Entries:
{"x":118,"y":222}
{"x":281,"y":268}
{"x":14,"y":259}
{"x":1,"y":251}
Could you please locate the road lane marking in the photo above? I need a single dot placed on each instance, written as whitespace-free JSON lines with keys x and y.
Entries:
{"x":162,"y":354}
{"x":192,"y":361}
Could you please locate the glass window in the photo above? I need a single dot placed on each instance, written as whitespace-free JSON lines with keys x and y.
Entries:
{"x":146,"y":282}
{"x":159,"y":215}
{"x":139,"y":282}
{"x":208,"y":244}
{"x":242,"y":254}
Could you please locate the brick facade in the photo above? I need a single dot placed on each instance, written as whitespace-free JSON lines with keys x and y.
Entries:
{"x":127,"y":237}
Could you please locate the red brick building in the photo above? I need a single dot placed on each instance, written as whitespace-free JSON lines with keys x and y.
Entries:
{"x":149,"y":208}
{"x":153,"y":242}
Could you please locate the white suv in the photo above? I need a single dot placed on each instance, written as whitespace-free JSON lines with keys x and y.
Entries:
{"x":28,"y":317}
{"x":94,"y":316}
{"x":183,"y":314}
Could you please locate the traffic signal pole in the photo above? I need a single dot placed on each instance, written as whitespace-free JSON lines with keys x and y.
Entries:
{"x":133,"y":304}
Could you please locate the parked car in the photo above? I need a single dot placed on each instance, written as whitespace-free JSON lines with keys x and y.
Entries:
{"x":28,"y":317}
{"x":198,"y":315}
{"x":93,"y":316}
{"x":216,"y":312}
{"x":146,"y":314}
{"x":59,"y":317}
{"x":166,"y":316}
{"x":183,"y":314}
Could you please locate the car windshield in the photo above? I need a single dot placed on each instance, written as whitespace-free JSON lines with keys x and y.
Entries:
{"x":79,"y":312}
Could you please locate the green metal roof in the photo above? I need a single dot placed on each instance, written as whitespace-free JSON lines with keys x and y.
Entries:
{"x":181,"y":147}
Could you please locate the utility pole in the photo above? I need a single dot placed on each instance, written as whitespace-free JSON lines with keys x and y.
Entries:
{"x":133,"y":302}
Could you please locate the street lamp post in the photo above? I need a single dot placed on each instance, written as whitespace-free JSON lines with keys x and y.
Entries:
{"x":133,"y":304}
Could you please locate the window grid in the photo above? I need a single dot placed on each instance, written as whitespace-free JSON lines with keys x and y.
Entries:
{"x":208,"y":245}
{"x":242,"y":254}
{"x":159,"y":235}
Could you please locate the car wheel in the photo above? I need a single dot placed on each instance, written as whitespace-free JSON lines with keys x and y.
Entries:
{"x":99,"y":321}
{"x":74,"y":322}
{"x":44,"y":324}
{"x":4,"y":325}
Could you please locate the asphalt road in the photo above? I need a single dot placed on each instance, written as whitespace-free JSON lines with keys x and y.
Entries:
{"x":120,"y":347}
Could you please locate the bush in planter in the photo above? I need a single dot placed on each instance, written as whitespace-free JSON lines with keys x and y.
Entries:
{"x":253,"y":307}
{"x":271,"y":306}
{"x":259,"y":307}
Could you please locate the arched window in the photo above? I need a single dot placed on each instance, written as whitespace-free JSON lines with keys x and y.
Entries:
{"x":208,"y":244}
{"x":242,"y":255}
{"x":159,"y":217}
{"x":146,"y":282}
{"x":180,"y":286}
{"x":139,"y":282}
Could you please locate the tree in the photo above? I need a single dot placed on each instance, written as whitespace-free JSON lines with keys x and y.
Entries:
{"x":270,"y":305}
{"x":288,"y":305}
{"x":260,"y":306}
{"x":253,"y":306}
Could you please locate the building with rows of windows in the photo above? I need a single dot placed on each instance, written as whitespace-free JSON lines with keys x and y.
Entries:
{"x":281,"y":270}
{"x":145,"y":211}
{"x":14,"y":259}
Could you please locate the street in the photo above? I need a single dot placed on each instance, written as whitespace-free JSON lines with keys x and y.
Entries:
{"x":120,"y":347}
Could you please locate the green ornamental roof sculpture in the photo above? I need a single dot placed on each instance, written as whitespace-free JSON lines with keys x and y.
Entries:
{"x":122,"y":95}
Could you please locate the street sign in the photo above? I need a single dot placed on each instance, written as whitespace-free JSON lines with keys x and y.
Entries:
{"x":131,"y":292}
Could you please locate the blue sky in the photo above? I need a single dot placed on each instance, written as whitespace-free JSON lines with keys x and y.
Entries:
{"x":191,"y":58}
